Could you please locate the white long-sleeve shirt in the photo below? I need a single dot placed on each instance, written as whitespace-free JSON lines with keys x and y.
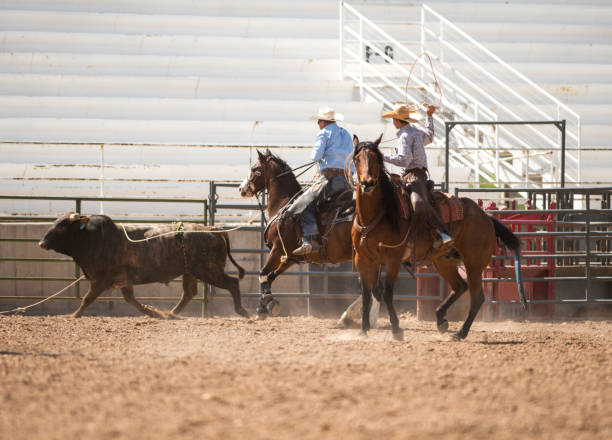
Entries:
{"x":410,"y":150}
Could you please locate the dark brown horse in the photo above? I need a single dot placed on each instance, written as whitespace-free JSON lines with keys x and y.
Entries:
{"x":381,"y":237}
{"x":283,"y":233}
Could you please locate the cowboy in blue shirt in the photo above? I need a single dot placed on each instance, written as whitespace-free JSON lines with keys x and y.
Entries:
{"x":332,"y":146}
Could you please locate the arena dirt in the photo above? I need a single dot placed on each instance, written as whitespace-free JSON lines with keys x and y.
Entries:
{"x":300,"y":378}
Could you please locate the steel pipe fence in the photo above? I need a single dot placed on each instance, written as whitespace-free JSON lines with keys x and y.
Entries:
{"x":78,"y":202}
{"x":211,"y":205}
{"x":581,"y":235}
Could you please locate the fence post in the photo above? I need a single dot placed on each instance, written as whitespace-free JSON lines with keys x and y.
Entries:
{"x":77,"y":269}
{"x":204,"y":286}
{"x":211,"y":201}
{"x":448,"y":127}
{"x":562,"y":128}
{"x":587,"y":238}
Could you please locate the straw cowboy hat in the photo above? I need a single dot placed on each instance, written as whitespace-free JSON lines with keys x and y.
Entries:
{"x":327,"y":114}
{"x":403,"y":113}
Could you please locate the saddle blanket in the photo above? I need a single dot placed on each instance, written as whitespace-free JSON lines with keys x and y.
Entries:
{"x":449,"y":207}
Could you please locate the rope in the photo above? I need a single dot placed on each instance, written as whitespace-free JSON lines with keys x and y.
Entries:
{"x":432,"y":71}
{"x":391,"y":246}
{"x":176,"y":232}
{"x":347,"y":171}
{"x":23,"y":309}
{"x":437,"y":84}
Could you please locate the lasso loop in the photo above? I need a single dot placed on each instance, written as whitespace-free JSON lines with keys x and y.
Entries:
{"x":432,"y":71}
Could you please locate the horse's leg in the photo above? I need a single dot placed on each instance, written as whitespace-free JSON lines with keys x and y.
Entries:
{"x":476,"y":299}
{"x":392,"y":271}
{"x":271,"y":269}
{"x":353,"y":313}
{"x":368,"y":276}
{"x":448,"y":270}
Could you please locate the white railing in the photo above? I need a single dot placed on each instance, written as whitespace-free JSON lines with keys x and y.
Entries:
{"x":476,"y":84}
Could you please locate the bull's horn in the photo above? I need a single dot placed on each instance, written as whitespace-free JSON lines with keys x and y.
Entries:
{"x":74,"y":217}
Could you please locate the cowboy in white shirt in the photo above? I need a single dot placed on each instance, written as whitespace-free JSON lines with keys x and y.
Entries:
{"x":410,"y":156}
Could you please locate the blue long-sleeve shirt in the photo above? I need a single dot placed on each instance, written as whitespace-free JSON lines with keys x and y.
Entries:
{"x":332,"y":146}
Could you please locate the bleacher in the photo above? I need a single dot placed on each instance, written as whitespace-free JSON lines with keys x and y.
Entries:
{"x":214,"y":74}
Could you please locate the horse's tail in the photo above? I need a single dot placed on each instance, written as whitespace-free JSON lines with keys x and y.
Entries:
{"x":229,"y":254}
{"x":512,"y":242}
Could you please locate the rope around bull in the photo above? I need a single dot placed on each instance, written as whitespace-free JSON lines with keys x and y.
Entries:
{"x":179,"y":230}
{"x":23,"y":309}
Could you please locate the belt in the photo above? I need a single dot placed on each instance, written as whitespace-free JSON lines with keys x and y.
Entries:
{"x":332,"y":172}
{"x":416,"y":170}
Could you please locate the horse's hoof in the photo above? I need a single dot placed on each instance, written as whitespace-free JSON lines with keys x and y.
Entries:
{"x":346,"y":322}
{"x":363,"y":334}
{"x":443,"y":326}
{"x":261,"y":317}
{"x":398,"y":335}
{"x":172,"y":315}
{"x":242,"y":312}
{"x":457,"y":337}
{"x":273,"y":307}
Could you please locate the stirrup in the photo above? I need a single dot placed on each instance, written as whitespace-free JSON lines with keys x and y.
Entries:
{"x":443,"y":239}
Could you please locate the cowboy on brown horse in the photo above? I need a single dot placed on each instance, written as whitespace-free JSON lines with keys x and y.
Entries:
{"x":410,"y":155}
{"x":333,"y":145}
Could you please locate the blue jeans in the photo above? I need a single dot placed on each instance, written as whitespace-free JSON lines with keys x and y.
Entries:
{"x":337,"y":185}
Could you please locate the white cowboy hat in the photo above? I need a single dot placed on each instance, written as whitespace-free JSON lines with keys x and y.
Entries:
{"x":403,"y":113}
{"x":327,"y":114}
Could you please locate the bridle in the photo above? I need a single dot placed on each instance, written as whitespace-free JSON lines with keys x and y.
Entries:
{"x":259,"y":173}
{"x":365,"y":185}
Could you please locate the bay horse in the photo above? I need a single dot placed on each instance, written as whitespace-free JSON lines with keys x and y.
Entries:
{"x":381,"y":237}
{"x":282,"y":235}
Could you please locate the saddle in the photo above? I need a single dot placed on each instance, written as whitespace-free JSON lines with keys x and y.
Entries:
{"x":448,"y":206}
{"x":339,"y":207}
{"x":331,"y":210}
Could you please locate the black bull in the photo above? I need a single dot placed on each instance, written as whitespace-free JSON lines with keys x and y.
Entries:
{"x":110,"y":260}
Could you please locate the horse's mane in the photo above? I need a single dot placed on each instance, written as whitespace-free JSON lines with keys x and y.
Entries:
{"x":388,"y":191}
{"x":282,"y":167}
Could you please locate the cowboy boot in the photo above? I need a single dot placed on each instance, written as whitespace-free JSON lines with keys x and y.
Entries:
{"x":309,"y":245}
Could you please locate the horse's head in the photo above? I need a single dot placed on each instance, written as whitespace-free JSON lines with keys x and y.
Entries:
{"x":368,"y":161}
{"x":256,"y":179}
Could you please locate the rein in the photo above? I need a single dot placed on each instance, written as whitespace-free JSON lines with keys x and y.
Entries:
{"x":256,"y":193}
{"x":309,"y":165}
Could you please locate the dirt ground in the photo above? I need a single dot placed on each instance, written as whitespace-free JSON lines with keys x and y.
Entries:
{"x":101,"y":378}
